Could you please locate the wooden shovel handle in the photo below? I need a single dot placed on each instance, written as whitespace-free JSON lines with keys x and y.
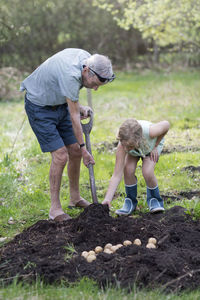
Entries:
{"x":87,"y":129}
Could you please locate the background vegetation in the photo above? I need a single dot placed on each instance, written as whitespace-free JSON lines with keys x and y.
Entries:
{"x":155,"y":49}
{"x":128,"y":31}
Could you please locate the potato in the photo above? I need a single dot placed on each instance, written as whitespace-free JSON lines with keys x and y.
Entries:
{"x":91,"y":252}
{"x":152,"y":241}
{"x":108,"y":246}
{"x":98,"y":249}
{"x":90,"y":258}
{"x":108,"y":251}
{"x":119,"y":246}
{"x":150,"y":246}
{"x":126,"y":243}
{"x":113,"y":248}
{"x":84,"y":254}
{"x":137,"y":242}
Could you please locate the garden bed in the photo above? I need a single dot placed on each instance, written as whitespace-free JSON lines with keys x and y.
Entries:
{"x":52,"y":251}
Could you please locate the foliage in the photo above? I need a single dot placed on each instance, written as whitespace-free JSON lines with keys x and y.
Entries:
{"x":167,"y":22}
{"x":9,"y":83}
{"x":31,"y":31}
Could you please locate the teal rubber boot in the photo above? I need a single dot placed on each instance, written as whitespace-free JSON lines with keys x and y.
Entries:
{"x":154,"y":201}
{"x":130,"y":201}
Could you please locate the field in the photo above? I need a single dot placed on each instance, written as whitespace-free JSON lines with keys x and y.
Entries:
{"x":24,"y":169}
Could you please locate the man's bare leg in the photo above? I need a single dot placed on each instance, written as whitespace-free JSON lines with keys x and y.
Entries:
{"x":74,"y":175}
{"x":59,"y":160}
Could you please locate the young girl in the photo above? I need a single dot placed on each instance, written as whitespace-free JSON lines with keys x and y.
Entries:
{"x":138,"y":139}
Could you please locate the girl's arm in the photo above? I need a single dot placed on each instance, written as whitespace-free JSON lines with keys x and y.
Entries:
{"x":117,"y":175}
{"x":159,"y":130}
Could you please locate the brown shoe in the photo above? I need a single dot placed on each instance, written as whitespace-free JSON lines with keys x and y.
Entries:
{"x":80,"y":204}
{"x":61,"y":218}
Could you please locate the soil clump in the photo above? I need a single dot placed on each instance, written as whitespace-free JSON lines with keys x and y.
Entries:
{"x":45,"y":250}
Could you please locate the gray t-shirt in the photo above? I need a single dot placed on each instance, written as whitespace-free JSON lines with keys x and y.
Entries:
{"x":58,"y":78}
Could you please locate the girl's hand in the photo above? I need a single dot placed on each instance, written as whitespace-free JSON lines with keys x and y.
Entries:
{"x":106,"y":202}
{"x":154,"y":155}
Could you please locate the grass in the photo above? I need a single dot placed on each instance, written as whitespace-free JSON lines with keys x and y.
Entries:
{"x":24,"y":194}
{"x":86,"y":290}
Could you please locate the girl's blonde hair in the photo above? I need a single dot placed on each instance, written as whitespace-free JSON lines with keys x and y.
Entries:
{"x":130,"y":132}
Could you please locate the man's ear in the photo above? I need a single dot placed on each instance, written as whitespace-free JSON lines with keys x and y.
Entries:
{"x":85,"y":71}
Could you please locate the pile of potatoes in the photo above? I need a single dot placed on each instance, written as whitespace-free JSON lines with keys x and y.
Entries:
{"x":110,"y":249}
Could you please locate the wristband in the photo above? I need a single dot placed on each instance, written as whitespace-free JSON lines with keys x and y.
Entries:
{"x":82,"y":145}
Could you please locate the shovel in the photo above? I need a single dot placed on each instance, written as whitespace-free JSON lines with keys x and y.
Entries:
{"x":87,"y":129}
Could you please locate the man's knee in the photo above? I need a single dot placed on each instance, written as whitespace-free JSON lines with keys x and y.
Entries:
{"x":60,"y":156}
{"x":74,"y":151}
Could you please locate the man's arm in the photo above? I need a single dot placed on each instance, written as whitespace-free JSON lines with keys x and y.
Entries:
{"x":74,"y":109}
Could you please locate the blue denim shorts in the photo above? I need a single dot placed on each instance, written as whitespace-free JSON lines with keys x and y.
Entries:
{"x":51,"y":124}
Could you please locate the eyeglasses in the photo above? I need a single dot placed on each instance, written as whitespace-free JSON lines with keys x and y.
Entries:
{"x":102,"y":79}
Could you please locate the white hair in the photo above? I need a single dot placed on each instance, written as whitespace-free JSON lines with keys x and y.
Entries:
{"x":100,"y":64}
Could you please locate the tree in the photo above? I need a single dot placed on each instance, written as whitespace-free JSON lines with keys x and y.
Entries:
{"x":166,"y":22}
{"x":33,"y":30}
{"x":9,"y":25}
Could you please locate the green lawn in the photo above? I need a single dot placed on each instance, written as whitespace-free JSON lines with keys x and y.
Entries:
{"x":24,"y":194}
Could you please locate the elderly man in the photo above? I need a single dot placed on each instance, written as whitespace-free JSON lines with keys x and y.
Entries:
{"x":53,"y":109}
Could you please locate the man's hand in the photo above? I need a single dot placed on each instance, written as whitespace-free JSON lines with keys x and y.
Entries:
{"x":85,"y":112}
{"x":87,"y":157}
{"x":154,"y":155}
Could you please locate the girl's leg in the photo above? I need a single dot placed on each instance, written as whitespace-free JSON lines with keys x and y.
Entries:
{"x":129,"y":169}
{"x":130,"y":180}
{"x":148,"y":166}
{"x":154,"y":200}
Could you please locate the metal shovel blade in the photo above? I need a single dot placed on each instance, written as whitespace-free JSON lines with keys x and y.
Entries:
{"x":87,"y":129}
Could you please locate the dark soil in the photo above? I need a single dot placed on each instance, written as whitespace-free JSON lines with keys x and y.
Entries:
{"x":181,"y":195}
{"x":191,"y":168}
{"x":43,"y":250}
{"x":111,"y":147}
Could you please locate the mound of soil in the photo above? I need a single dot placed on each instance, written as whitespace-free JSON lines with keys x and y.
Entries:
{"x":45,"y":250}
